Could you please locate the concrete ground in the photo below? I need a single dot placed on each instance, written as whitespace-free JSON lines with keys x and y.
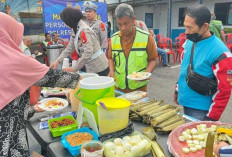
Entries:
{"x":161,"y":86}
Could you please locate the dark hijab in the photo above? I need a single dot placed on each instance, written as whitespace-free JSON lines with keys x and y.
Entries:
{"x":71,"y":17}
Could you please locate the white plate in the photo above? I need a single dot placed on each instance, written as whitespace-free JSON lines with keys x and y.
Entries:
{"x":44,"y":101}
{"x":39,"y":54}
{"x":141,"y":78}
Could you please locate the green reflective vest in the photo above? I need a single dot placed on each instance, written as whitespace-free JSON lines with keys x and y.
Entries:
{"x":25,"y":47}
{"x":45,"y":43}
{"x":137,"y":60}
{"x":215,"y":26}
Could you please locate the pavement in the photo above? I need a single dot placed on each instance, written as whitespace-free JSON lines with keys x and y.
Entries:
{"x":161,"y":87}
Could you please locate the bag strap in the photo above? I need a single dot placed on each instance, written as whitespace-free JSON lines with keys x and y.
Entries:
{"x":191,"y":58}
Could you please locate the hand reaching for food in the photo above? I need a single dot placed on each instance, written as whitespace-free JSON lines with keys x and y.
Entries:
{"x":37,"y":109}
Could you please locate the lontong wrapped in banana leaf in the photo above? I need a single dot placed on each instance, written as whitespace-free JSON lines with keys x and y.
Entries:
{"x":169,"y":128}
{"x":158,"y":110}
{"x":154,"y":106}
{"x":147,"y":119}
{"x":140,"y":105}
{"x":170,"y":121}
{"x":163,"y":117}
{"x":158,"y":103}
{"x":135,"y":117}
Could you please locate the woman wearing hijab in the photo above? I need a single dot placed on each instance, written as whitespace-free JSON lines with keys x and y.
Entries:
{"x":85,"y":43}
{"x":19,"y":72}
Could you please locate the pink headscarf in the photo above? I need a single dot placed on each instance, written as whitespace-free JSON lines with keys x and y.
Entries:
{"x":18,"y":71}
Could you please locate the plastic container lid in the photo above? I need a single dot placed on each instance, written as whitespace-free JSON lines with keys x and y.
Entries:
{"x":87,"y":75}
{"x":114,"y":103}
{"x":98,"y":82}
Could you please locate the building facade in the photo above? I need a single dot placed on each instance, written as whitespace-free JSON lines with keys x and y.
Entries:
{"x":156,"y":15}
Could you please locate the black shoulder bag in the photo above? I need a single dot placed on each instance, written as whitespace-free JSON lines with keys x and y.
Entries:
{"x":197,"y":82}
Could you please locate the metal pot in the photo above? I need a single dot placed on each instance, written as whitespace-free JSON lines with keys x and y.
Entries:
{"x":54,"y":52}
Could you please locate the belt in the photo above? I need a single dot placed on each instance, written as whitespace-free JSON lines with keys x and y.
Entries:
{"x":95,"y":55}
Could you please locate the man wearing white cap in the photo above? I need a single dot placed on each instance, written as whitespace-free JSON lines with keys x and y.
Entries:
{"x":97,"y":26}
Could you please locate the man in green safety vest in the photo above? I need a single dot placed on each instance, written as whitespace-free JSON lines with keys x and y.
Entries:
{"x":217,"y":27}
{"x":46,"y":41}
{"x":131,"y":50}
{"x":27,"y":41}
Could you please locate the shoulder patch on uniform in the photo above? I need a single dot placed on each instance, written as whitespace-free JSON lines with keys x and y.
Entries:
{"x":103,"y":28}
{"x":141,"y":24}
{"x":83,"y":37}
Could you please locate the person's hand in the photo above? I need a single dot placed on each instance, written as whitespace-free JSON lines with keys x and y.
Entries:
{"x":68,"y":69}
{"x":111,"y":74}
{"x":36,"y":52}
{"x":37,"y":109}
{"x":217,"y":146}
{"x":175,"y":95}
{"x":55,"y":64}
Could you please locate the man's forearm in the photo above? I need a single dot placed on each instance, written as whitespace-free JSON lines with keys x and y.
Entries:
{"x":151,"y":66}
{"x":111,"y":65}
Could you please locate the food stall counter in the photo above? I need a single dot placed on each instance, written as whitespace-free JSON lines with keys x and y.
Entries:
{"x":56,"y":149}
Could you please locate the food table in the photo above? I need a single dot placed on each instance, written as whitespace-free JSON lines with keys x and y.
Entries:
{"x":56,"y":149}
{"x":43,"y":136}
{"x":52,"y":146}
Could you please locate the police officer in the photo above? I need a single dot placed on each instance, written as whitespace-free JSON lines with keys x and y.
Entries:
{"x":97,"y":26}
{"x":85,"y":43}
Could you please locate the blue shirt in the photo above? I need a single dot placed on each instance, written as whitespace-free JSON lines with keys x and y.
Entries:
{"x":205,"y":54}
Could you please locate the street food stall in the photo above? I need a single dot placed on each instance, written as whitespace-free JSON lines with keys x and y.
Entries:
{"x":129,"y":124}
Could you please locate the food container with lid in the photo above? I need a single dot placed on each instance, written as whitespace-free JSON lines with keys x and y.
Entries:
{"x":63,"y":129}
{"x":75,"y":150}
{"x":115,"y":117}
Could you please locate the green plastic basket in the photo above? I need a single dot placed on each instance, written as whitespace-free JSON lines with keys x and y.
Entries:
{"x":60,"y":130}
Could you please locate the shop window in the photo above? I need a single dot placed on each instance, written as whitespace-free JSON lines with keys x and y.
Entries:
{"x":223,"y":12}
{"x":181,"y":17}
